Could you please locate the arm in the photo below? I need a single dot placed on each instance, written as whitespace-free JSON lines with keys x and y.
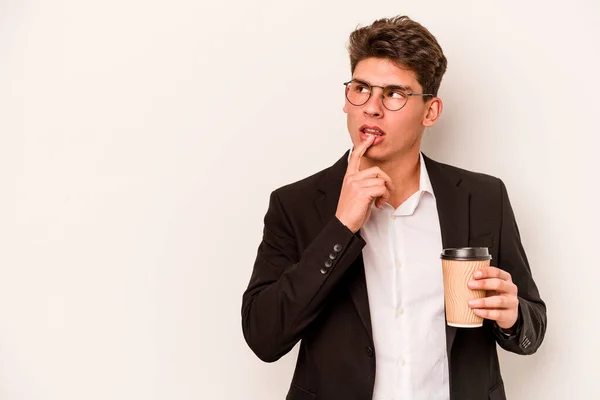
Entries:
{"x":528,"y":333}
{"x":287,"y":290}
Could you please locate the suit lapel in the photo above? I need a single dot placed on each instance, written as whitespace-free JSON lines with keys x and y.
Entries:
{"x":453,"y":212}
{"x":359,"y":294}
{"x":330,"y":187}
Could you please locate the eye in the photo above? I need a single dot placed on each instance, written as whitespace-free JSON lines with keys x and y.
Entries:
{"x":360,"y":88}
{"x":395,"y":94}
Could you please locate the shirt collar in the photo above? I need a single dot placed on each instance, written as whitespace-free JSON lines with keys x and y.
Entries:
{"x":424,"y":182}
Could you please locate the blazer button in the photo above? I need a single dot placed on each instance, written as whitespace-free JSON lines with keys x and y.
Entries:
{"x":332,"y":256}
{"x":323,"y":271}
{"x":337,"y":248}
{"x":370,"y":351}
{"x":328,"y":264}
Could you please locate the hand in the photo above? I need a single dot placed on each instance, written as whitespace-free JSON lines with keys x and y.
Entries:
{"x":360,"y":189}
{"x":501,"y":304}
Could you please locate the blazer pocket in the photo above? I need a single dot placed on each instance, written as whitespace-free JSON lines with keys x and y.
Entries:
{"x":298,"y":393}
{"x":497,"y":392}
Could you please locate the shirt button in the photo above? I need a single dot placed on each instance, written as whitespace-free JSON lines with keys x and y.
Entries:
{"x":393,"y":217}
{"x":402,"y":362}
{"x":370,"y":351}
{"x":400,"y":310}
{"x":398,"y":264}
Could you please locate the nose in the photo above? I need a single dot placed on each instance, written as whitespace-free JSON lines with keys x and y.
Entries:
{"x":374,"y":107}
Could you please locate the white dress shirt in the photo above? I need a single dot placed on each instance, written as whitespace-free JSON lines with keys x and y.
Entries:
{"x":406,"y":297}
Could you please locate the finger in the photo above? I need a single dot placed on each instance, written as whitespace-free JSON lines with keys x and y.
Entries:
{"x":387,"y":183}
{"x":495,"y":284}
{"x":379,"y":202}
{"x":374,"y":192}
{"x":492,"y":272}
{"x":357,"y":153}
{"x":375,"y":172}
{"x":500,"y":302}
{"x":375,"y":183}
{"x":365,"y":183}
{"x":494,"y":314}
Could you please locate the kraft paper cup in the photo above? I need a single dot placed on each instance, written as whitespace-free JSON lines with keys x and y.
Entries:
{"x":458,"y":266}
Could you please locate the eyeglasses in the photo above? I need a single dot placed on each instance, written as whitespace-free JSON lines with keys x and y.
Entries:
{"x":394,"y":96}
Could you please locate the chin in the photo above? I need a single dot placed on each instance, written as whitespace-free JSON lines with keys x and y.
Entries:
{"x":378,"y":153}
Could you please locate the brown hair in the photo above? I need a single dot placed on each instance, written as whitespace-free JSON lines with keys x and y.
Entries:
{"x":406,"y":43}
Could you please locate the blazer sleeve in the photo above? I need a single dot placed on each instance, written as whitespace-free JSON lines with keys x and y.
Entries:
{"x":287,"y":290}
{"x":531,"y":324}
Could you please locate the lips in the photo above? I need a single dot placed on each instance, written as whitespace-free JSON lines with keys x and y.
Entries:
{"x":367,"y":131}
{"x":372,"y":130}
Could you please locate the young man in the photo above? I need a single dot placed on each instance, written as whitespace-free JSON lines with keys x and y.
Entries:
{"x":350,"y":262}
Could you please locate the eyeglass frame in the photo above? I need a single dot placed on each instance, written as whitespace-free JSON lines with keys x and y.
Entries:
{"x":382,"y":91}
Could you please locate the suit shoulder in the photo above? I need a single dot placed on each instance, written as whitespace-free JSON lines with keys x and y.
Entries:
{"x":303,"y":188}
{"x":473,"y":179}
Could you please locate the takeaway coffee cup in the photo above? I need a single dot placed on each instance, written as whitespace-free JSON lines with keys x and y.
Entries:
{"x":458,"y":266}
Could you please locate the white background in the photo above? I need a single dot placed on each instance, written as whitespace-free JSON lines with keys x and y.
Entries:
{"x":139,"y":142}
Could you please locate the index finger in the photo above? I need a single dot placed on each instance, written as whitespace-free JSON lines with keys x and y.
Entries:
{"x":357,"y":153}
{"x":492,"y":272}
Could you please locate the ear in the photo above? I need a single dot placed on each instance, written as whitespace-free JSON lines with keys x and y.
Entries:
{"x":345,"y":107}
{"x":434,"y":110}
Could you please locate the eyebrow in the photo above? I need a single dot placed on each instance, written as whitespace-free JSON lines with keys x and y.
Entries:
{"x":393,"y":86}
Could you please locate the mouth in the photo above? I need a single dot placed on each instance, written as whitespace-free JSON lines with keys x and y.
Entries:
{"x":366,"y":131}
{"x":371,"y":130}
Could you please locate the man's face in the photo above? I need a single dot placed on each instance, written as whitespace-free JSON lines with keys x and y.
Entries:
{"x":402,"y":129}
